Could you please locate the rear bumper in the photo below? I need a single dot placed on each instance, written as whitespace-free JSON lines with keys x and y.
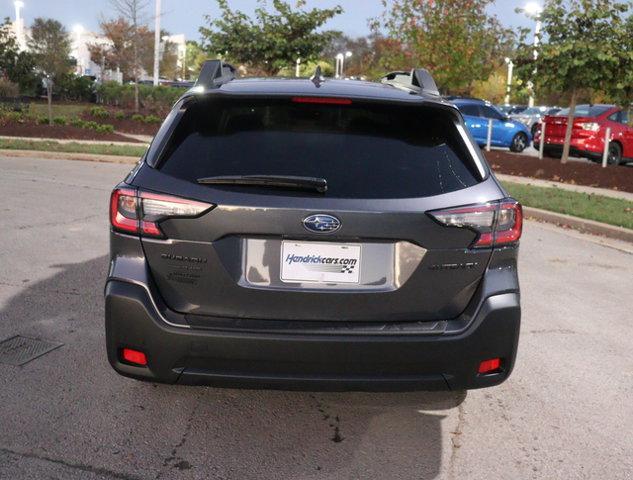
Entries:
{"x":306,"y":361}
{"x":586,"y":148}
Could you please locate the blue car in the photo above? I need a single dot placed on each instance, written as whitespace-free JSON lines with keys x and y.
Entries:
{"x":505,"y":132}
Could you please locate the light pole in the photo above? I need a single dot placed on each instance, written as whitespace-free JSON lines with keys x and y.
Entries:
{"x":298,"y":67}
{"x":337,"y":68}
{"x":19,"y":24}
{"x":534,"y":9}
{"x":340,"y":63}
{"x":510,"y":65}
{"x":157,"y":43}
{"x":78,"y":31}
{"x":348,"y":54}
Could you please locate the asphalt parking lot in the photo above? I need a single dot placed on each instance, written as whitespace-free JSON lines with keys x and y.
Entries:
{"x":564,"y":414}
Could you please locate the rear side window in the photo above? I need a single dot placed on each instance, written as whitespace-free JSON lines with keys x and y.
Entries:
{"x":362,"y":150}
{"x":586,"y":111}
{"x":472,"y":110}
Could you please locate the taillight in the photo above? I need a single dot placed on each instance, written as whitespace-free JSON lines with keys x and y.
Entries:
{"x":135,"y":211}
{"x":498,"y":223}
{"x":589,"y":126}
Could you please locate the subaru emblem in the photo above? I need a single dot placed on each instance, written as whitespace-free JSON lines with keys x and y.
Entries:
{"x":321,"y":223}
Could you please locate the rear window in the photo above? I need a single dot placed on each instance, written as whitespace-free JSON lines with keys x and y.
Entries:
{"x":362,"y":150}
{"x":585,"y":110}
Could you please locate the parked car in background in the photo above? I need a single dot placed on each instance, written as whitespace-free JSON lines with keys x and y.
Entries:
{"x":505,"y":132}
{"x":588,"y":133}
{"x":532,"y":116}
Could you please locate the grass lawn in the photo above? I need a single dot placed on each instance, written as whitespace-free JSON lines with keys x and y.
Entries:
{"x":67,"y":110}
{"x":73,"y":147}
{"x":592,"y":207}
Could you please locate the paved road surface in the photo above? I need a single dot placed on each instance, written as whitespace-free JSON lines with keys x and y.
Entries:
{"x":565,"y":413}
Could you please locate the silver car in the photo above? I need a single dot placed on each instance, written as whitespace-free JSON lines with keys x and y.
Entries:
{"x":532,"y":116}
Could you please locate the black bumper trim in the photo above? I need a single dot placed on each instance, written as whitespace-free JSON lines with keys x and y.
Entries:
{"x":310,"y":362}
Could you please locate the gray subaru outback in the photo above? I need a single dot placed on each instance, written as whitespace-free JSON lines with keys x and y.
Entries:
{"x":313,"y":234}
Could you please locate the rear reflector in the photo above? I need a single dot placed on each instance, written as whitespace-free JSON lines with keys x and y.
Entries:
{"x":323,"y":100}
{"x":135,"y":211}
{"x":134,"y":356}
{"x":497,"y":223}
{"x":490,"y":366}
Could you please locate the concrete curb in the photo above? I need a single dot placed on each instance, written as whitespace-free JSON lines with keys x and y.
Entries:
{"x":87,"y":157}
{"x":580,"y":224}
{"x":140,"y":143}
{"x":565,"y":186}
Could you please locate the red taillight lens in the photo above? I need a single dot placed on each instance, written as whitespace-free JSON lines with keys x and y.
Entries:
{"x":134,"y":356}
{"x":323,"y":100}
{"x":133,"y":211}
{"x":496,"y":223}
{"x":124,"y":210}
{"x":489,"y":366}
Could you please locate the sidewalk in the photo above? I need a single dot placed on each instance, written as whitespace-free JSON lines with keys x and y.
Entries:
{"x":90,"y":142}
{"x":566,"y":186}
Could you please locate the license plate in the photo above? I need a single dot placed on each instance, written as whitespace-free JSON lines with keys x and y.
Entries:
{"x":317,"y":262}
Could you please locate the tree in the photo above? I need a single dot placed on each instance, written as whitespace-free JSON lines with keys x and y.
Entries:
{"x":132,"y":12}
{"x":194,"y":58}
{"x":456,"y":40}
{"x":50,"y":47}
{"x":579,"y":50}
{"x":15,"y":66}
{"x":271,"y":40}
{"x":622,"y":88}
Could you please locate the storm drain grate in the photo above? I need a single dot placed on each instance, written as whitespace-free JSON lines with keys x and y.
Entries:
{"x":20,"y":350}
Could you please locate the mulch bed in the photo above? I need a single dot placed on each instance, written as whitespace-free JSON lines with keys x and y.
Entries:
{"x":64,"y":132}
{"x":126,"y":125}
{"x":572,"y":172}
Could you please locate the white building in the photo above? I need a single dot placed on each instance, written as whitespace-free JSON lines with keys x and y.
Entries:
{"x":81,"y":39}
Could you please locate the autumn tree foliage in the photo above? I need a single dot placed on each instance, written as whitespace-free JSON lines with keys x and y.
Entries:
{"x":457,"y":40}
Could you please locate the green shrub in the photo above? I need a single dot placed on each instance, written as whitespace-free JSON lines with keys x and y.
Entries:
{"x":105,"y":128}
{"x":8,"y":88}
{"x":41,"y":120}
{"x":99,"y":112}
{"x":13,"y":117}
{"x":60,"y":121}
{"x":74,"y":88}
{"x":77,"y":122}
{"x":151,"y":119}
{"x":137,"y":117}
{"x":158,"y":99}
{"x":120,"y":115}
{"x":91,"y":125}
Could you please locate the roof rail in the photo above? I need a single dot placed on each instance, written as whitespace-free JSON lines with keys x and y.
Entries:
{"x":418,"y":80}
{"x":215,"y":73}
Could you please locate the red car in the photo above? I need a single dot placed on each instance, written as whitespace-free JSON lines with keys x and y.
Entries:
{"x":588,"y":132}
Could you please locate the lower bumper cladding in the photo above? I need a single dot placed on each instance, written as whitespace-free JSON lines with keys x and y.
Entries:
{"x":309,"y":361}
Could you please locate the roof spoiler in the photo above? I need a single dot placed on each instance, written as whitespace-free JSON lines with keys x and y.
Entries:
{"x":418,"y":80}
{"x":215,"y":73}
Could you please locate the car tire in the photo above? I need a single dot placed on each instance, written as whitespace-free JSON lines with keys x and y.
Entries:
{"x":534,"y":130}
{"x":519,"y":142}
{"x":614,"y":156}
{"x":548,"y":152}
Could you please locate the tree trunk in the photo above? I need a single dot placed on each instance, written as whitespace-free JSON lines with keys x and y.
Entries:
{"x":49,"y":97}
{"x":136,"y":101}
{"x":570,"y":126}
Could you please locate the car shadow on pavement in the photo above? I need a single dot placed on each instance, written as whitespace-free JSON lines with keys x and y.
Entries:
{"x":70,"y":408}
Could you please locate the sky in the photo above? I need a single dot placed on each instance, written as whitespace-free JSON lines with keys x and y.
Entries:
{"x":186,"y":16}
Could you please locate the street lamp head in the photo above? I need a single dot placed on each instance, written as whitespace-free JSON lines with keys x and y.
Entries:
{"x":340,"y":56}
{"x":533,"y":8}
{"x":78,"y":29}
{"x":18,"y":4}
{"x":348,"y":54}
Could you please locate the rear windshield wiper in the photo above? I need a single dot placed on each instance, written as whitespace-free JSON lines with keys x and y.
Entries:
{"x":275,"y":181}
